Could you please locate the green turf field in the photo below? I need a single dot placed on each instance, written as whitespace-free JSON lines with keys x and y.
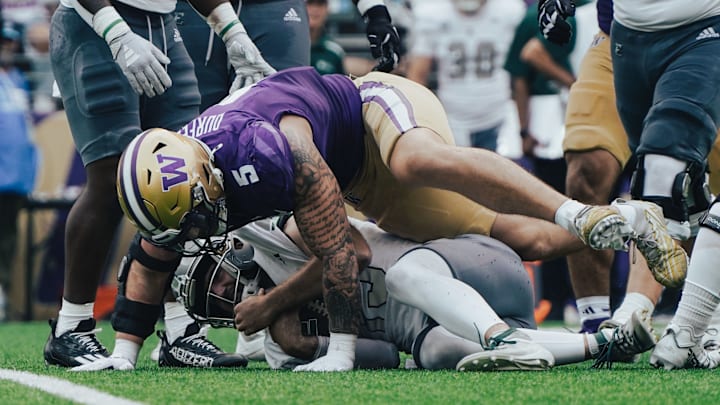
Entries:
{"x":22,"y":343}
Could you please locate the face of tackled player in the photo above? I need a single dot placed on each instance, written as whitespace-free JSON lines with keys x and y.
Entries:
{"x":210,"y":285}
{"x":469,"y":6}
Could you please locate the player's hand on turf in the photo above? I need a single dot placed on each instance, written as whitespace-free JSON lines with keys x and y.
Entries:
{"x":340,"y":355}
{"x":245,"y":58}
{"x":254,"y":313}
{"x":383,"y":37}
{"x":552,"y":16}
{"x":142,"y":63}
{"x":328,"y":363}
{"x":106,"y":363}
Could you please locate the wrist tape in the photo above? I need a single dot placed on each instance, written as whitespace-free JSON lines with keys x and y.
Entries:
{"x":224,"y":21}
{"x":108,"y":24}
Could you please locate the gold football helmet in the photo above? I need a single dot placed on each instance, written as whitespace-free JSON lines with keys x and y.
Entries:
{"x":169,"y":188}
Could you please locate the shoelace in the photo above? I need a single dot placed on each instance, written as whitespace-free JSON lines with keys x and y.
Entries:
{"x":201,"y":342}
{"x":621,"y":342}
{"x":499,"y":339}
{"x":89,"y":340}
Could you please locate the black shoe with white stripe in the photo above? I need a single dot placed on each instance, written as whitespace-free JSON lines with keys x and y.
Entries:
{"x":195,"y":350}
{"x":75,"y":347}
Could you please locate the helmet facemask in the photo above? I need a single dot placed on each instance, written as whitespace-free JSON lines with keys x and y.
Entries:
{"x":210,"y":285}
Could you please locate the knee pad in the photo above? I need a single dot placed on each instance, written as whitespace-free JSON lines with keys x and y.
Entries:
{"x":136,"y":252}
{"x":132,"y":317}
{"x":689,"y":194}
{"x":135,"y":318}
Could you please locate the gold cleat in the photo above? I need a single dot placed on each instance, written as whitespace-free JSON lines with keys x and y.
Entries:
{"x":666,"y":259}
{"x":602,"y":227}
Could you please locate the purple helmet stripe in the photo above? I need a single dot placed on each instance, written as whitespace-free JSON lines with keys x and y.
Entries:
{"x":131,"y":192}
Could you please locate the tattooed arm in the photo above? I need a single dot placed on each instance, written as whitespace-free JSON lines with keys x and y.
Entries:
{"x":323,"y":224}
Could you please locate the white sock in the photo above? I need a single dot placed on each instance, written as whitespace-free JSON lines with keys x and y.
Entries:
{"x":126,"y":349}
{"x":422,"y":279}
{"x":565,"y":215}
{"x":715,"y":320}
{"x":176,"y":321}
{"x":696,"y":308}
{"x":594,"y":307}
{"x":565,"y":347}
{"x":700,"y":295}
{"x":632,"y":302}
{"x":71,"y":315}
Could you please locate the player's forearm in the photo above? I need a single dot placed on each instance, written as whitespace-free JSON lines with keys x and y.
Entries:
{"x":301,"y":287}
{"x":285,"y":331}
{"x":521,"y":96}
{"x":323,"y":224}
{"x":535,"y":54}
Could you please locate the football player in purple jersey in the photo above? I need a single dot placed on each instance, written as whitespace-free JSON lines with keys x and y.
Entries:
{"x":299,"y":142}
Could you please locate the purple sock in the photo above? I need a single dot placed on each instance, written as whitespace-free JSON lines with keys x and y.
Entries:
{"x":591,"y":325}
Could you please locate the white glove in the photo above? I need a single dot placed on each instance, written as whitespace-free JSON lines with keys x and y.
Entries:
{"x":106,"y":363}
{"x":243,"y":55}
{"x":245,"y":58}
{"x":140,"y":61}
{"x":340,"y":355}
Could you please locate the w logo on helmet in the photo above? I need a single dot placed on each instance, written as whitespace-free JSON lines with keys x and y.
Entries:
{"x":172,"y":173}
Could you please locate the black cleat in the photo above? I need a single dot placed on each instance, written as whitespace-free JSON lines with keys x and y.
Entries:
{"x":75,"y":347}
{"x":195,"y":350}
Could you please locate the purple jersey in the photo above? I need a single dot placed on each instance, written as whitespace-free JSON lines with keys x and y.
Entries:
{"x":605,"y":15}
{"x":255,"y":157}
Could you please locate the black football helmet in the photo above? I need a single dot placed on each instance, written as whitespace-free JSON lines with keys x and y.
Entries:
{"x":209,"y":285}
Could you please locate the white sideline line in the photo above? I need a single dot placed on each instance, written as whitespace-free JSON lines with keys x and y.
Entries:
{"x":65,"y":389}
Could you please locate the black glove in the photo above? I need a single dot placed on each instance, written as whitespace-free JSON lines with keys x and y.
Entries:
{"x":552,"y":15}
{"x":383,"y":37}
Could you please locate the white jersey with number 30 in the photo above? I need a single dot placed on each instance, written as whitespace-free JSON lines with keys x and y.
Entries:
{"x":470,"y":51}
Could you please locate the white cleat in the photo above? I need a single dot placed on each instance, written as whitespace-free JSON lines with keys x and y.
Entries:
{"x":509,"y":350}
{"x":679,"y":348}
{"x":711,"y":338}
{"x":625,"y":341}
